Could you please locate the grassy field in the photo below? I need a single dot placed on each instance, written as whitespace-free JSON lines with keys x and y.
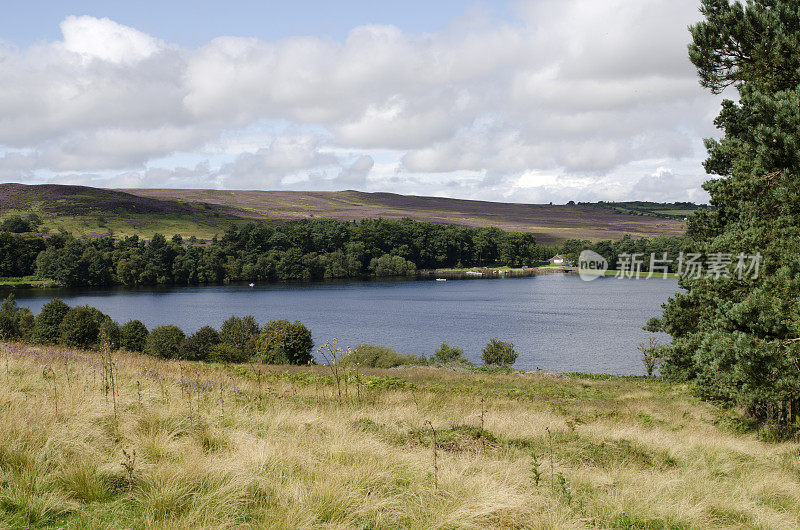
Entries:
{"x":677,"y":210}
{"x":206,"y":446}
{"x":27,"y":281}
{"x":203,"y":213}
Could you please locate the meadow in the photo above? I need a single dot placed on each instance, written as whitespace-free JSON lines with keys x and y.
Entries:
{"x":93,"y":440}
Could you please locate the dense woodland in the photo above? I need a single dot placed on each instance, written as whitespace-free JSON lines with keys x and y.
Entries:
{"x":298,"y":250}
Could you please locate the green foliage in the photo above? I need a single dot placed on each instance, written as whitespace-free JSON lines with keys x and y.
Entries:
{"x":664,"y":210}
{"x":81,"y":327}
{"x":228,"y":353}
{"x":9,"y":305}
{"x":200,"y":344}
{"x":445,"y":354}
{"x":240,"y":333}
{"x":611,"y":250}
{"x":165,"y":342}
{"x":375,"y":356}
{"x":499,"y":353}
{"x":736,"y":339}
{"x":311,"y":249}
{"x":388,"y":265}
{"x":133,"y":336}
{"x":18,"y":253}
{"x":25,"y":319}
{"x":8,"y":326}
{"x":17,"y":224}
{"x":15,"y":322}
{"x":283,"y":342}
{"x":47,"y":324}
{"x":754,"y":45}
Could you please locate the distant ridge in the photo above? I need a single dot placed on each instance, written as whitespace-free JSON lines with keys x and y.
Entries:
{"x":203,"y":213}
{"x":85,"y":200}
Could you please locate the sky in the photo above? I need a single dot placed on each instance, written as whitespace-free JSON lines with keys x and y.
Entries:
{"x":520,"y":101}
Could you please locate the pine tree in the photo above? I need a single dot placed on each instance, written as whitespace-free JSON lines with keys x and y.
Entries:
{"x":739,"y":339}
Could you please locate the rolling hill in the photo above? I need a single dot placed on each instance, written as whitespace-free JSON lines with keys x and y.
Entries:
{"x":203,"y":213}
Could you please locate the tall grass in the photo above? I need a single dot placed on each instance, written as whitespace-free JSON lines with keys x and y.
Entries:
{"x":199,"y":445}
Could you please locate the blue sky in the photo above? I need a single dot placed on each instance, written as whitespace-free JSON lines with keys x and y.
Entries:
{"x":526,"y":101}
{"x":194,"y":23}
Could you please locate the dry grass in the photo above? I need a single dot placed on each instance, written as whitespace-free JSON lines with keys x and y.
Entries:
{"x":223,"y":447}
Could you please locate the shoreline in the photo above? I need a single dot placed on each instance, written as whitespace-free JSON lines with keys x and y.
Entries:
{"x":490,"y":273}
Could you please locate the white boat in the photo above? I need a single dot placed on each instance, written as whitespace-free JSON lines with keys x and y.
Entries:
{"x":441,"y":279}
{"x":252,"y":285}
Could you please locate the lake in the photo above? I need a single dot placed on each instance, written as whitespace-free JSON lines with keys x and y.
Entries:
{"x":557,"y":322}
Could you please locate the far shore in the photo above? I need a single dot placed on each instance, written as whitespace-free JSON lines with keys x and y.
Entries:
{"x":473,"y":273}
{"x":479,"y":273}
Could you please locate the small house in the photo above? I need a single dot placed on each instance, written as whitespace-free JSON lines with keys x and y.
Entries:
{"x":558,"y":259}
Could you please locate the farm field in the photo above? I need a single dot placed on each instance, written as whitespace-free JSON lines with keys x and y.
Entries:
{"x":183,"y":445}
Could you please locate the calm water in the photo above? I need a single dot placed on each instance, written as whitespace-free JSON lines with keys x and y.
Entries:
{"x":556,"y":322}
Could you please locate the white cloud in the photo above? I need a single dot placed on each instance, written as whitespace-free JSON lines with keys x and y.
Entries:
{"x":106,"y":40}
{"x":355,"y":175}
{"x":577,"y":90}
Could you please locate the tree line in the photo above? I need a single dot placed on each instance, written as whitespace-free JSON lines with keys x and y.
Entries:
{"x":611,"y":250}
{"x":240,"y":339}
{"x":312,"y":249}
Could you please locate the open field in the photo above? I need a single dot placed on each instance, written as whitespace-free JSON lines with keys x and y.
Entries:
{"x":203,"y":213}
{"x":255,"y":446}
{"x":676,"y":210}
{"x":27,"y":281}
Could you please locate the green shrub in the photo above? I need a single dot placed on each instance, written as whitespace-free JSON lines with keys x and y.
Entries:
{"x":165,"y":342}
{"x":25,"y":323}
{"x":110,"y":335}
{"x":9,"y":328}
{"x":375,"y":356}
{"x":282,"y":342}
{"x":15,"y":322}
{"x":499,"y":353}
{"x":240,"y":333}
{"x":199,"y":345}
{"x":81,"y":327}
{"x":47,"y":324}
{"x":9,"y":305}
{"x":17,"y":225}
{"x":448,"y":354}
{"x":228,"y":353}
{"x":133,"y":336}
{"x":390,"y":265}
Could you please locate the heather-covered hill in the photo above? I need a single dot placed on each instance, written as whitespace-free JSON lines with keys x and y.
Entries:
{"x":203,"y":213}
{"x":550,"y":223}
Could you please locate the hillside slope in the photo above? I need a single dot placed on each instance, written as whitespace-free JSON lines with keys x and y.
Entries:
{"x":550,"y":223}
{"x":203,"y":213}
